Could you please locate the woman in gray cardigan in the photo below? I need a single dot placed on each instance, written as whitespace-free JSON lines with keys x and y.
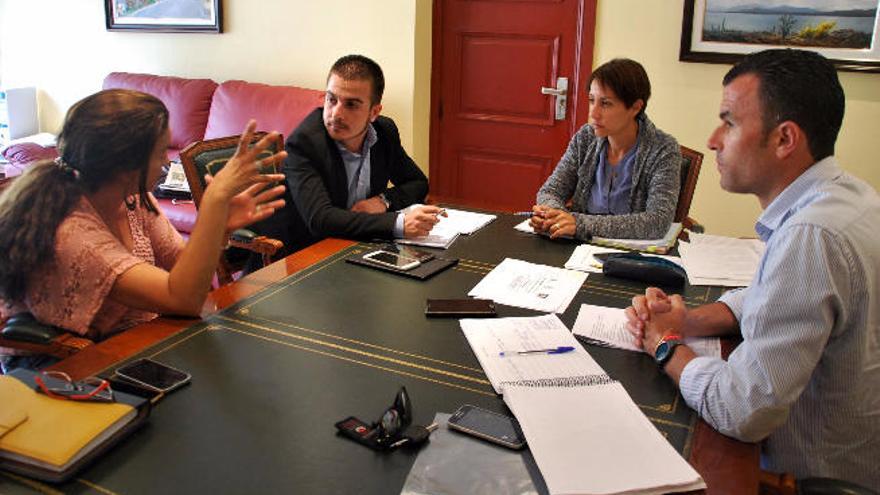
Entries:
{"x":620,"y":173}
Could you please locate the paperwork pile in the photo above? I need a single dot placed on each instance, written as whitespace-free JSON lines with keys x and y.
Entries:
{"x":718,"y":260}
{"x":585,"y":432}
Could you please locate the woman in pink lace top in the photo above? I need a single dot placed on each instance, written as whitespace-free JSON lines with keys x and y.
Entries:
{"x":85,"y":247}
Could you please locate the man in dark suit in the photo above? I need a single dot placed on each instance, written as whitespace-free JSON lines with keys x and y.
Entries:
{"x":339,"y":163}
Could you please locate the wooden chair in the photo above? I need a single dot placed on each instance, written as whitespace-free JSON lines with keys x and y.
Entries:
{"x":204,"y":157}
{"x":691,"y":162}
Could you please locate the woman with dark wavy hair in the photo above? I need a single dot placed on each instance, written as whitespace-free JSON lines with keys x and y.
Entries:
{"x":84,"y":245}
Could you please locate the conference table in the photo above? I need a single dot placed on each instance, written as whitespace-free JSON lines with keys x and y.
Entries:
{"x":285,"y":352}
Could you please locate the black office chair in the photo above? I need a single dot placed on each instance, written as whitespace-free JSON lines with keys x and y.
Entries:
{"x":203,"y":157}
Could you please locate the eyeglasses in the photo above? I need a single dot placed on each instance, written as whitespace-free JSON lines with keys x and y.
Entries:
{"x":59,"y":385}
{"x":395,"y":420}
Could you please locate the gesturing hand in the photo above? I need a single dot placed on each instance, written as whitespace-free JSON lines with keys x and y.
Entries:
{"x":243,"y":169}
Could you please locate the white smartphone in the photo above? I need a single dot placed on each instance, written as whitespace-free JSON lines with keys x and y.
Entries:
{"x":153,"y":375}
{"x":482,"y":423}
{"x":393,"y":260}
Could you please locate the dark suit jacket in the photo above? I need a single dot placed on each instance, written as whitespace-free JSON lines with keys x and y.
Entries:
{"x":317,"y":187}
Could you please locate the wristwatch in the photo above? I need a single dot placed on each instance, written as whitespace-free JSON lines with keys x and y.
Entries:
{"x":666,"y":348}
{"x":385,"y":200}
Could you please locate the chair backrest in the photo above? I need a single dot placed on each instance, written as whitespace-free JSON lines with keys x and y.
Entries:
{"x":208,"y":157}
{"x":690,"y":171}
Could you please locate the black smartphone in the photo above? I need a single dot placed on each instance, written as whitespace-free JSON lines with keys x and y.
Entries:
{"x":487,"y":425}
{"x":153,"y":375}
{"x":460,"y":308}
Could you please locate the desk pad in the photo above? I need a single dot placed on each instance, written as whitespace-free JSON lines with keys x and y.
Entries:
{"x":272,"y":374}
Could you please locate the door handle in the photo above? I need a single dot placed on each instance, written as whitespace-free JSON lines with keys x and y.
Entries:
{"x":561,"y":94}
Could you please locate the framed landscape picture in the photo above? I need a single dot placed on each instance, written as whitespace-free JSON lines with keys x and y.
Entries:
{"x":721,"y":31}
{"x":167,"y":16}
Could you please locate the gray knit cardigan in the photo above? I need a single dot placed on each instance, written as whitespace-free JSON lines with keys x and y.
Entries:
{"x":653,"y":196}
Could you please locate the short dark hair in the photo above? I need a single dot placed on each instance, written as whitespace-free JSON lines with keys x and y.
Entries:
{"x":360,"y":67}
{"x":800,"y":86}
{"x":627,"y":78}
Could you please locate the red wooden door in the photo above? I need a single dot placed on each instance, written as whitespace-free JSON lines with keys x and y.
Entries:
{"x":494,"y":136}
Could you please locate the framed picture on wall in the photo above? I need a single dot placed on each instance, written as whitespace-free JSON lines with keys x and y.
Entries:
{"x":721,"y":31}
{"x":169,"y":16}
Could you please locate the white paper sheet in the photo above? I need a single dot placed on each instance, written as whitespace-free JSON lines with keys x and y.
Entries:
{"x":719,"y":260}
{"x":488,"y":337}
{"x":465,"y":222}
{"x":596,"y":440}
{"x":608,"y":326}
{"x":529,"y":285}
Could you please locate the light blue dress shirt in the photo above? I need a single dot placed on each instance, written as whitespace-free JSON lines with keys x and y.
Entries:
{"x":806,"y":378}
{"x":357,"y":172}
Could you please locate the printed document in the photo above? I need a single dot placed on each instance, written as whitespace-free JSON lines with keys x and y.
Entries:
{"x":529,"y":285}
{"x":489,"y":337}
{"x":607,"y":326}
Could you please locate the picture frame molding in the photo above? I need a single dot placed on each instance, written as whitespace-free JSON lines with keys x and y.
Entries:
{"x":688,"y":54}
{"x":215,"y":28}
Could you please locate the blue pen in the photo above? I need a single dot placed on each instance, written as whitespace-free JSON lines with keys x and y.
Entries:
{"x":524,"y":214}
{"x":554,"y":350}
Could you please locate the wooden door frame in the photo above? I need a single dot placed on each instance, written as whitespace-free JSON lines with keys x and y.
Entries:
{"x":583,"y":67}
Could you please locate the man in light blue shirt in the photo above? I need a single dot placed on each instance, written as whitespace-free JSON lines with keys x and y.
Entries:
{"x":805,"y":381}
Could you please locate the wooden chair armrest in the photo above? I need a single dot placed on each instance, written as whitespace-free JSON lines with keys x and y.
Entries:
{"x":62,"y":346}
{"x":260,"y":244}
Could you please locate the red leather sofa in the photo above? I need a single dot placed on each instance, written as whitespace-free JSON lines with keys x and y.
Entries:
{"x":200,"y":109}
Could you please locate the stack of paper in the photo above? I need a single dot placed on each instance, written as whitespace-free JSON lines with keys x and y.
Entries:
{"x":718,"y":260}
{"x":449,"y":227}
{"x":531,"y":286}
{"x":176,"y":179}
{"x":607,"y":326}
{"x":584,"y":431}
{"x":648,"y":245}
{"x":596,"y":440}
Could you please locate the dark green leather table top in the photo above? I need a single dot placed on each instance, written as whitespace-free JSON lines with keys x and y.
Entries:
{"x":272,"y":374}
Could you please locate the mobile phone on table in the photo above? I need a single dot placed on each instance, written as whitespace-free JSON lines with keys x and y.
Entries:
{"x":393,"y":260}
{"x":488,"y":425}
{"x":460,"y":308}
{"x":153,"y":375}
{"x":410,"y":252}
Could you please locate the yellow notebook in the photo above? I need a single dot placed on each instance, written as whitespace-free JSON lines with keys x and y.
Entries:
{"x":55,"y":433}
